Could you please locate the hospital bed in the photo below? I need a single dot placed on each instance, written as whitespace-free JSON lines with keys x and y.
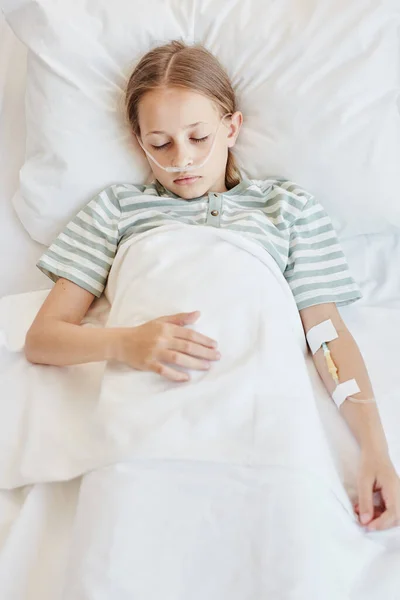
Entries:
{"x":37,"y":521}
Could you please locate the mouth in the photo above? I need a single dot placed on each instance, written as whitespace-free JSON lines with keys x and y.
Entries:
{"x":186,"y":180}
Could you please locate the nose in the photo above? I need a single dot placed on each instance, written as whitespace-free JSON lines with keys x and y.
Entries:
{"x":181,"y":158}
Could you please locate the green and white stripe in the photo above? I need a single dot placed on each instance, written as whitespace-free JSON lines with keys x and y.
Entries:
{"x":84,"y":251}
{"x":275,"y":213}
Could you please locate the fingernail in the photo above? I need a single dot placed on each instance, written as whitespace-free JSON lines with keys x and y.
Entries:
{"x":364,"y":518}
{"x":218,"y":355}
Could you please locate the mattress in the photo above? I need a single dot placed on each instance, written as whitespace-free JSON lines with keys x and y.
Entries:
{"x":37,"y":522}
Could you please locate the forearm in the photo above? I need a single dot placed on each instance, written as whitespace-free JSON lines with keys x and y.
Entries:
{"x":362,"y":418}
{"x":60,"y":343}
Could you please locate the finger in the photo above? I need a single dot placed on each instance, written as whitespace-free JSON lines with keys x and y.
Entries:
{"x":378,"y":510}
{"x":193,"y":336}
{"x":183,"y":360}
{"x":365,"y":498}
{"x":181,"y":318}
{"x":385,"y":521}
{"x":168,"y":372}
{"x":194,"y":349}
{"x":379,"y":502}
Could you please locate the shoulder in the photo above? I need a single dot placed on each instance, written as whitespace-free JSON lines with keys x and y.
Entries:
{"x":122,"y":189}
{"x":113,"y":197}
{"x":291,"y":196}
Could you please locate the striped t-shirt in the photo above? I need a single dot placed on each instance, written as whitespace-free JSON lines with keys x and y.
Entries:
{"x":279,"y":215}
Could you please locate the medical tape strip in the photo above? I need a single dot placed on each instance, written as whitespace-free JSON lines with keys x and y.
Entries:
{"x":323,"y":332}
{"x":343,"y":390}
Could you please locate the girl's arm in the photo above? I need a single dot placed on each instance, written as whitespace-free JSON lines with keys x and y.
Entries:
{"x":362,"y":418}
{"x":56,"y":337}
{"x":376,"y":474}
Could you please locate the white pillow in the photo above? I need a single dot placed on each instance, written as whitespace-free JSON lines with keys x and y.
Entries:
{"x":317,"y":83}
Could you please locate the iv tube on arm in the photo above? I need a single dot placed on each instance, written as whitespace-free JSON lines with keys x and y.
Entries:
{"x":317,"y":337}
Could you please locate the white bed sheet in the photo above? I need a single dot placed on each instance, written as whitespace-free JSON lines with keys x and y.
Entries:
{"x":36,"y":522}
{"x":18,"y":252}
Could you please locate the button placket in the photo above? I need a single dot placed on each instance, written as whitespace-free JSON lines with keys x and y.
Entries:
{"x":214,"y":209}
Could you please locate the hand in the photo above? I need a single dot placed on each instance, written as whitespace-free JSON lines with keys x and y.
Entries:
{"x":377,"y":474}
{"x":165,"y":340}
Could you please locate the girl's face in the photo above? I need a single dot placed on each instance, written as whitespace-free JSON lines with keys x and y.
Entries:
{"x":178,"y":127}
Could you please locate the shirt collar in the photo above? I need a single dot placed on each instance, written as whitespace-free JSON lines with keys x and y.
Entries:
{"x":235,"y":191}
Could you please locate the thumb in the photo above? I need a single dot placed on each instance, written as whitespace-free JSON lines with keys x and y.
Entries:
{"x":182,"y":318}
{"x":365,"y":498}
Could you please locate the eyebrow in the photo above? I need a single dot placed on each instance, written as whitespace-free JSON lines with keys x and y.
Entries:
{"x":187,"y":127}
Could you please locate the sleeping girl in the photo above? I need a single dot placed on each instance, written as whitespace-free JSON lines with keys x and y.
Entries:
{"x":182,"y":110}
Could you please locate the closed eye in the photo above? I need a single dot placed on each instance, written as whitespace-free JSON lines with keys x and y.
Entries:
{"x":159,"y":147}
{"x":203,"y":139}
{"x":196,"y":140}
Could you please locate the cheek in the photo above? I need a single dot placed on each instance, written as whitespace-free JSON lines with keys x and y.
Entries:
{"x":156,"y":170}
{"x":221,"y":152}
{"x":223,"y":143}
{"x":157,"y":173}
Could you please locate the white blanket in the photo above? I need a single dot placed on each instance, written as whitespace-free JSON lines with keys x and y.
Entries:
{"x":252,"y":417}
{"x":254,"y":407}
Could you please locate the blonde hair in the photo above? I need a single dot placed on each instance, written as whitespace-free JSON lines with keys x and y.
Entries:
{"x":193,"y":67}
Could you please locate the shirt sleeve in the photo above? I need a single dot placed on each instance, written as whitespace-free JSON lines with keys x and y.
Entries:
{"x":317,"y":270}
{"x":84,"y":251}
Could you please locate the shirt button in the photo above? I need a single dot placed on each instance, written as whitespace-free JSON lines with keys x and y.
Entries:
{"x":214,"y":213}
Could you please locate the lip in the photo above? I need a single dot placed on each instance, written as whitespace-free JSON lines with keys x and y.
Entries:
{"x":186,"y":180}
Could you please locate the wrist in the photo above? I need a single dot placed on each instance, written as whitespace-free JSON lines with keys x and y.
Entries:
{"x":374,"y":442}
{"x":364,"y":420}
{"x":375,"y":447}
{"x":114,"y":344}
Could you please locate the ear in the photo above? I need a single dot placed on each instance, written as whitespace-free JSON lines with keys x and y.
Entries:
{"x":234,"y":128}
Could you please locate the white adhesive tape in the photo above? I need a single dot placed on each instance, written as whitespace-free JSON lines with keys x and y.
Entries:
{"x":323,"y":332}
{"x":343,"y":390}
